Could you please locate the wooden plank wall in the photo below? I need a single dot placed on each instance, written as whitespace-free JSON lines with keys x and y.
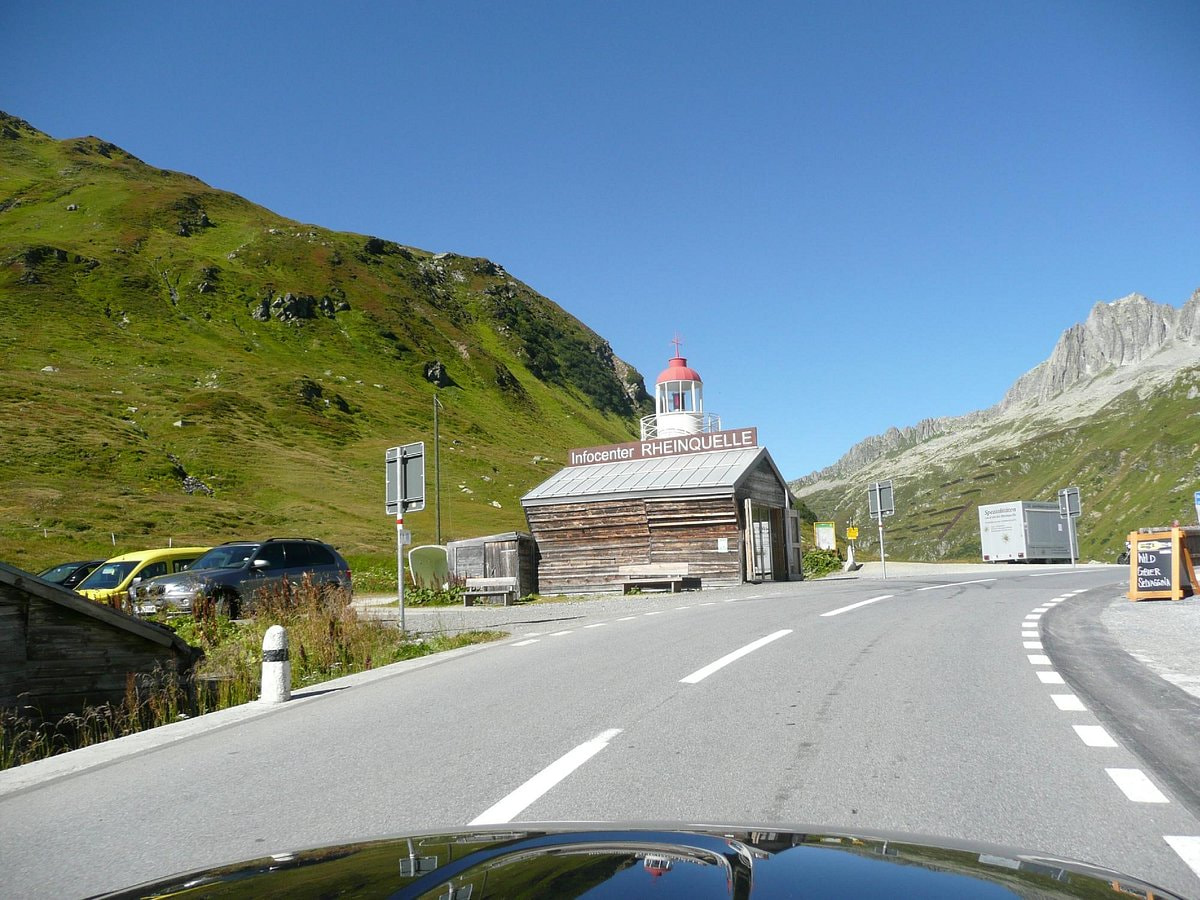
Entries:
{"x":688,"y":530}
{"x":64,"y":660}
{"x":582,"y":545}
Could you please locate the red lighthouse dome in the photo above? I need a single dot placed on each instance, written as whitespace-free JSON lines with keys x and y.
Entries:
{"x":678,"y":370}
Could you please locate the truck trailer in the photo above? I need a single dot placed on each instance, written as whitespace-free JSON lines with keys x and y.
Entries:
{"x":1024,"y":531}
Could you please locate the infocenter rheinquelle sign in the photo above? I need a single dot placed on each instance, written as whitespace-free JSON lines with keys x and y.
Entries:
{"x":735,"y":439}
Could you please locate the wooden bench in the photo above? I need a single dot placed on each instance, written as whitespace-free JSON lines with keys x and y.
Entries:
{"x":671,"y":577}
{"x":478,"y":588}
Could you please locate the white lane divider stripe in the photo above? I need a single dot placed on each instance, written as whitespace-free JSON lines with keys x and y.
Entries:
{"x":700,"y":674}
{"x":524,"y":643}
{"x":1136,"y":786}
{"x":838,"y":612}
{"x":1033,"y":617}
{"x":1029,"y":645}
{"x":1188,"y":848}
{"x":934,"y":587}
{"x":520,"y":799}
{"x":1094,"y":735}
{"x":1042,"y":609}
{"x":596,"y":625}
{"x":1047,"y":677}
{"x":560,"y":633}
{"x":1068,"y":703}
{"x":1030,"y":634}
{"x":626,"y":618}
{"x":1039,"y":659}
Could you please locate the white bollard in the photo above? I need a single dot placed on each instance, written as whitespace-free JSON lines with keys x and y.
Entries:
{"x":276,"y":666}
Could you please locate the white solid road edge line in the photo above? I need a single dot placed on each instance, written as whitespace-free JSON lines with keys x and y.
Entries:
{"x":520,"y":799}
{"x":1188,"y":848}
{"x":836,"y":612}
{"x":701,"y":674}
{"x":1136,"y":786}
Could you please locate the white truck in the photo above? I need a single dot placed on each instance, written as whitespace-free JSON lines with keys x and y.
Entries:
{"x":1024,"y":531}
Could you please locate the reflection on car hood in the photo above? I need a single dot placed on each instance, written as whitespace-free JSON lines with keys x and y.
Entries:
{"x":668,"y":861}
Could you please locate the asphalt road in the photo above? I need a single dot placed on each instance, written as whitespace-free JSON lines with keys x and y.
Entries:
{"x":927,"y":705}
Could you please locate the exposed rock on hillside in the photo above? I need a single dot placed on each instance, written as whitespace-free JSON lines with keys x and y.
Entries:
{"x":1126,"y":343}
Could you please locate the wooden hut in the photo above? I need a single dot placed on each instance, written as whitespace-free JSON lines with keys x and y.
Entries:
{"x":708,"y":518}
{"x":509,"y":555}
{"x":60,"y":652}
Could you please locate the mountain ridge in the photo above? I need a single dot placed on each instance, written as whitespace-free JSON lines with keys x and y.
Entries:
{"x":1132,"y":334}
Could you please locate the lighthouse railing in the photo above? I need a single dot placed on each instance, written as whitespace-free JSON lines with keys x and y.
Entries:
{"x":700,"y":423}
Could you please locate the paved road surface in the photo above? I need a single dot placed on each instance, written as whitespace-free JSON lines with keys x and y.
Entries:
{"x":927,"y":704}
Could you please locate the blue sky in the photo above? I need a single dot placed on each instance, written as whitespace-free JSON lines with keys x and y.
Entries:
{"x":856,"y":214}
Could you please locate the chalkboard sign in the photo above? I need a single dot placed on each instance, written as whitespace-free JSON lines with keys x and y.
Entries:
{"x":1154,"y":559}
{"x":1163,"y":563}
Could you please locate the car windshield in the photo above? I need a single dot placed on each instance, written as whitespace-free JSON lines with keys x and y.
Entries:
{"x":109,"y":575}
{"x":58,"y":573}
{"x":229,"y":557}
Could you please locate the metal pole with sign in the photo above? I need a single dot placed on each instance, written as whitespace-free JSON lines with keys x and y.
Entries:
{"x":404,"y":491}
{"x":880,"y":500}
{"x":1068,"y":508}
{"x":1197,"y":507}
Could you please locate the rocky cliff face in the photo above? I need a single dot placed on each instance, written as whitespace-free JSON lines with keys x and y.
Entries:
{"x":1120,"y":334}
{"x":1121,"y":343}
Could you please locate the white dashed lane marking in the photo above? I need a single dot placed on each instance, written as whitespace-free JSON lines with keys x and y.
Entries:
{"x":1033,"y":645}
{"x":525,"y":643}
{"x":1094,"y":735}
{"x":1048,"y":677}
{"x":1068,"y":703}
{"x":838,"y":612}
{"x":934,"y":587}
{"x":1136,"y":786}
{"x":596,"y":625}
{"x":700,"y":674}
{"x":1188,"y":848}
{"x":1037,"y":659}
{"x":520,"y":799}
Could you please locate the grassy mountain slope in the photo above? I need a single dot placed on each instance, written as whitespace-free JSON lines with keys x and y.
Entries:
{"x":1136,"y":462}
{"x":134,"y":368}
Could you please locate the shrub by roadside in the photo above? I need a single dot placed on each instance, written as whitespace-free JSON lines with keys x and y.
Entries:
{"x":326,"y":637}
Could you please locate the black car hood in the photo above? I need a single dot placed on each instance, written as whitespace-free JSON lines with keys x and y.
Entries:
{"x":665,"y":862}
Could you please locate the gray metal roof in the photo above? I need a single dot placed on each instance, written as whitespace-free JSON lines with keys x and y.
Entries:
{"x":691,"y":474}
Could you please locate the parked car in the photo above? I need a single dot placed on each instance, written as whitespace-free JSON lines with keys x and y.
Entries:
{"x":111,"y":580}
{"x":233,"y":574}
{"x":69,"y":574}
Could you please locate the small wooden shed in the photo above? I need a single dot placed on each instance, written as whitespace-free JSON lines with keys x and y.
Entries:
{"x":720,"y":518}
{"x":60,"y":652}
{"x":509,"y":555}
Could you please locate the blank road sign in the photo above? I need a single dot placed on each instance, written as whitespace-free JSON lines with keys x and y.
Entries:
{"x":880,"y":499}
{"x":1068,"y":502}
{"x":404,"y":478}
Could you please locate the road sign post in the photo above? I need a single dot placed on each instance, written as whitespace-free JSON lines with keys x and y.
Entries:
{"x":1068,"y":508}
{"x":1197,"y":507}
{"x":881,"y":502}
{"x":404,"y":490}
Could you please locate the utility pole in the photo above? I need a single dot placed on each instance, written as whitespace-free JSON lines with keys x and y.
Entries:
{"x":437,"y":473}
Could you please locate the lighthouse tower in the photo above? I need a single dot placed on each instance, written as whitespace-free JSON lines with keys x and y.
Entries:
{"x":678,"y":402}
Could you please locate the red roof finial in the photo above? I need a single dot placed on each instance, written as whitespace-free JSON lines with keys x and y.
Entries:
{"x":677,"y":342}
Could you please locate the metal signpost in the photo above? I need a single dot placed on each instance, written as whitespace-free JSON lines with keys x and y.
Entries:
{"x":404,"y":491}
{"x":1068,"y":508}
{"x":1198,"y":507}
{"x":881,"y":502}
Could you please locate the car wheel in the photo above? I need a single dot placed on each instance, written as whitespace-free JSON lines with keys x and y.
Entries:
{"x":226,"y":604}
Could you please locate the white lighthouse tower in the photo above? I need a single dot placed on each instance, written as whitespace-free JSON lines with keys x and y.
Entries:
{"x":678,"y":402}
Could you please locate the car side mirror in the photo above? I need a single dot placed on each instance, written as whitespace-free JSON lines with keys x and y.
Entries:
{"x":137,"y":580}
{"x":260,"y":564}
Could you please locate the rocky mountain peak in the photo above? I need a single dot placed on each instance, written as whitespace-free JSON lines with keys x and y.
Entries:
{"x":1122,"y":344}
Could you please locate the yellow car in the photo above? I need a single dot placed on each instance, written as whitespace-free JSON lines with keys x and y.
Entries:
{"x":110,"y":582}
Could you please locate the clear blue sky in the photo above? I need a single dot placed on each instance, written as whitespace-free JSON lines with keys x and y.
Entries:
{"x":856,"y":214}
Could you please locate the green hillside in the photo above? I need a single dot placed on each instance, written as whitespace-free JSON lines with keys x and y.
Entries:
{"x":181,"y":365}
{"x":1136,"y":463}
